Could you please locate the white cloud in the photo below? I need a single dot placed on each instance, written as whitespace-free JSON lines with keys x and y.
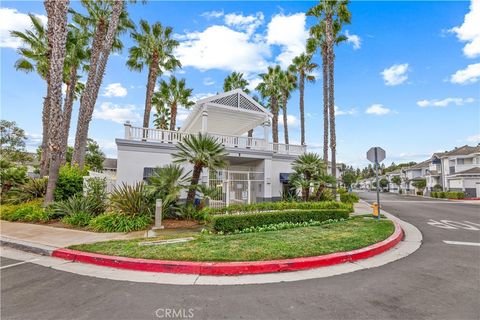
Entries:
{"x":396,"y":74}
{"x":354,"y":39}
{"x":208,"y":81}
{"x":444,"y":102}
{"x":288,"y":32}
{"x":245,"y":23}
{"x":470,"y":74}
{"x":378,"y":109}
{"x":220,"y":47}
{"x":116,"y":113}
{"x":469,"y":31}
{"x":202,"y":95}
{"x":212,"y":14}
{"x":292,"y":120}
{"x":11,"y":19}
{"x":115,"y":90}
{"x":474,"y":138}
{"x":339,"y":112}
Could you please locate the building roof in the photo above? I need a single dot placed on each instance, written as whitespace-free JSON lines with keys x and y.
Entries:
{"x":474,"y":171}
{"x":461,"y":151}
{"x":421,"y":165}
{"x":432,"y":173}
{"x":110,"y":164}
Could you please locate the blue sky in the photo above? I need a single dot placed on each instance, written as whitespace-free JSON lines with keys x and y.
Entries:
{"x":407,"y":80}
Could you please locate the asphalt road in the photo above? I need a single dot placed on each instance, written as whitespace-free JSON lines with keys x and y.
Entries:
{"x":438,"y":281}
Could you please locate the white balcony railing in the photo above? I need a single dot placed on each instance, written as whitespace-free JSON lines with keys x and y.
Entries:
{"x":229,"y":141}
{"x":463,"y":167}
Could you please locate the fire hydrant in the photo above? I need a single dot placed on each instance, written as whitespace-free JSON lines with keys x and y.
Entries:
{"x":375,"y":209}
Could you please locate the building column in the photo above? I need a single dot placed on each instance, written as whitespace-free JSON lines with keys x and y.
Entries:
{"x":266,"y":130}
{"x":204,"y":120}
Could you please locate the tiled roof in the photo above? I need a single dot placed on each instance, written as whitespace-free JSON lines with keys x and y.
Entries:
{"x":475,"y":170}
{"x":462,"y":151}
{"x":423,"y":164}
{"x":110,"y":163}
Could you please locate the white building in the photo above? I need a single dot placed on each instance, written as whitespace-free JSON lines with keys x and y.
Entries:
{"x":257,"y":169}
{"x":412,"y":174}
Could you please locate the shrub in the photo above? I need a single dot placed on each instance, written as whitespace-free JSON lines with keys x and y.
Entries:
{"x":32,"y":189}
{"x":326,"y":195}
{"x":455,"y":195}
{"x":230,"y":223}
{"x":74,"y":205}
{"x":419,"y":193}
{"x":115,"y":222}
{"x":280,"y":205}
{"x":96,"y":192}
{"x":78,"y":219}
{"x":349,"y":198}
{"x":341,"y":190}
{"x":70,"y":182}
{"x":132,"y":200}
{"x":31,"y":211}
{"x":190,"y":212}
{"x":434,"y":194}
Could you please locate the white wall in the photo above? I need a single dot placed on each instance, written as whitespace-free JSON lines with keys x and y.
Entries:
{"x":279,"y":165}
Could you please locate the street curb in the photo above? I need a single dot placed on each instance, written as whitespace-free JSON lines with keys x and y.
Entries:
{"x":27,"y":246}
{"x":232,"y":268}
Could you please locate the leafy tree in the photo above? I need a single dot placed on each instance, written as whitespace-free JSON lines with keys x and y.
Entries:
{"x":11,"y":176}
{"x":94,"y":156}
{"x":420,"y":184}
{"x":303,"y":67}
{"x":234,"y":81}
{"x":202,"y":152}
{"x":383,"y":183}
{"x":12,"y":142}
{"x":348,"y":178}
{"x":397,"y":180}
{"x":154,"y":49}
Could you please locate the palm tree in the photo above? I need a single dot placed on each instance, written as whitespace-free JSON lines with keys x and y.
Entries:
{"x":105,"y":21}
{"x":201,"y":151}
{"x":154,"y":48}
{"x":269,"y":88}
{"x":288,"y":83}
{"x":57,"y":23}
{"x":303,"y":66}
{"x":34,"y":57}
{"x":306,"y":166}
{"x":167,"y":182}
{"x":171,"y":95}
{"x":234,"y":81}
{"x":331,"y":12}
{"x":162,"y":116}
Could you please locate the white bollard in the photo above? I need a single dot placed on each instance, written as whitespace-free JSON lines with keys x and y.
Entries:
{"x":158,"y":215}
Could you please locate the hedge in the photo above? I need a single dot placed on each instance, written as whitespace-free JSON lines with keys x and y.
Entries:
{"x":448,"y":195}
{"x":230,"y":223}
{"x":279,"y":205}
{"x":349,"y":198}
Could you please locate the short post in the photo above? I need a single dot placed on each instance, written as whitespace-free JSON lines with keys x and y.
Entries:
{"x":158,"y":215}
{"x":128,"y":127}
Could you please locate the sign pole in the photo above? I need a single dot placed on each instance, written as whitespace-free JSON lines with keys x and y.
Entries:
{"x":376,"y":155}
{"x":378,"y":184}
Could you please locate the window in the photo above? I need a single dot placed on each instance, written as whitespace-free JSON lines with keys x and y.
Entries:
{"x":460,"y":161}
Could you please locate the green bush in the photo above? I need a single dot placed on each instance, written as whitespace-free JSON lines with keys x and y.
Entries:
{"x":326,"y":195}
{"x":232,"y":222}
{"x":74,"y":205}
{"x":96,"y":192}
{"x":349,"y":198}
{"x":132,"y":200}
{"x":78,"y":219}
{"x":70,"y":182}
{"x":31,"y":211}
{"x":115,"y":222}
{"x":455,"y":195}
{"x":341,"y":190}
{"x":32,"y":189}
{"x":190,"y":212}
{"x":280,"y":205}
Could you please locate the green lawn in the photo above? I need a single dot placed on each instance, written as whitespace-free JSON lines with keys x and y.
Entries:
{"x":298,"y":242}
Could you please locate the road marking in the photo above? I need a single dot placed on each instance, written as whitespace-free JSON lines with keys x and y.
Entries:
{"x":475,"y":224}
{"x":476,"y":244}
{"x":17,"y":264}
{"x":449,"y":224}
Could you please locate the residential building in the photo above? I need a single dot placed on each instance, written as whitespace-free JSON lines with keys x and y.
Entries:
{"x":412,"y":174}
{"x":258,"y":170}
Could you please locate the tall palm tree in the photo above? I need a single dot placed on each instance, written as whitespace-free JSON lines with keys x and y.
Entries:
{"x":34,"y":57}
{"x":105,"y":21}
{"x":329,"y":13}
{"x":154,"y":48}
{"x":303,"y":66}
{"x":162,"y":116}
{"x":57,"y":20}
{"x":269,"y":88}
{"x":234,"y":81}
{"x":287,"y":83}
{"x":171,"y":95}
{"x":201,"y":151}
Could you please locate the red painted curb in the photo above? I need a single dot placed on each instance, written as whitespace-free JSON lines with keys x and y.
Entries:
{"x":231,"y":268}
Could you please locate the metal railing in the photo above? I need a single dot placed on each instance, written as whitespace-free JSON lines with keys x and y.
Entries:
{"x":229,"y":141}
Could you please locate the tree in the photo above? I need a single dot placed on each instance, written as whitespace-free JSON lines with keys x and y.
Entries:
{"x":161,"y":118}
{"x":305,"y":167}
{"x":348,"y":178}
{"x":335,"y":13}
{"x":269,"y":88}
{"x":105,"y":21}
{"x":172,"y":95}
{"x":234,"y":81}
{"x":420,"y":184}
{"x":398,"y":181}
{"x":154,"y":49}
{"x":201,"y":151}
{"x":167,"y":182}
{"x":94,"y":156}
{"x":12,"y":142}
{"x":287,"y":83}
{"x":383,"y":183}
{"x":57,"y":20}
{"x":303,"y":67}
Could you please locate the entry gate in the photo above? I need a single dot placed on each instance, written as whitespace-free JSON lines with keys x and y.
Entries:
{"x":235,"y":187}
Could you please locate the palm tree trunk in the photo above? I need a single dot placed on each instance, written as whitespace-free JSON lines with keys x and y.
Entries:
{"x":56,"y":76}
{"x":331,"y":100}
{"x":197,"y":170}
{"x":250,"y":133}
{"x":94,"y":81}
{"x":152,"y":78}
{"x":173,"y":116}
{"x":285,"y":118}
{"x":302,"y":108}
{"x":67,"y":113}
{"x":274,"y":106}
{"x":325,"y":103}
{"x":45,"y":124}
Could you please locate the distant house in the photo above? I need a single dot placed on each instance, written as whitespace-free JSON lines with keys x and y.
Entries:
{"x":414,"y":173}
{"x":110,"y":166}
{"x":392,"y":187}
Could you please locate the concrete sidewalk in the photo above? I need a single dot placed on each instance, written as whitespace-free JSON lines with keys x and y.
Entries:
{"x":47,"y":238}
